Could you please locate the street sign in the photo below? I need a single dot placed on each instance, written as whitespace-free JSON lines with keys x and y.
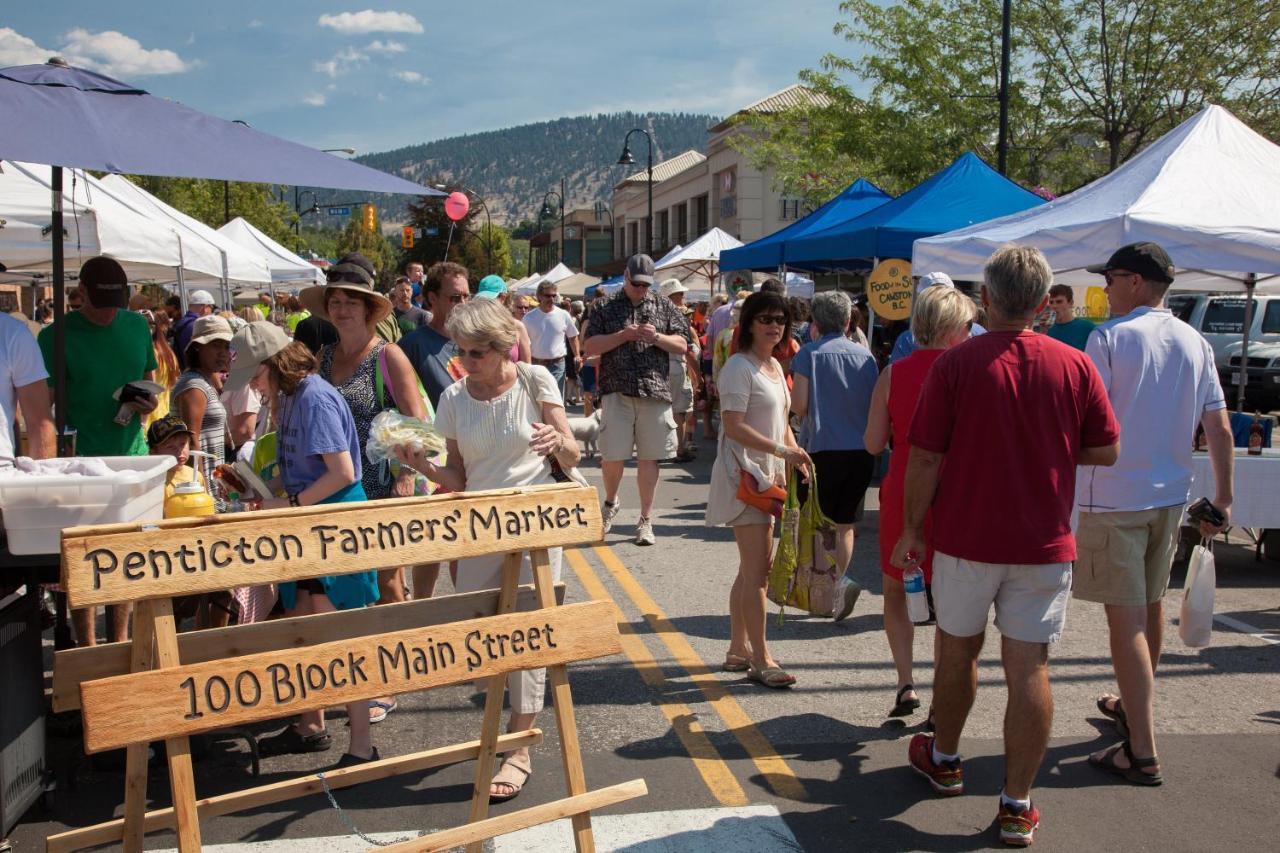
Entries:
{"x":339,"y":211}
{"x":431,"y":231}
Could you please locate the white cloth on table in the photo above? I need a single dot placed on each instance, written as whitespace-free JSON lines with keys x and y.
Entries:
{"x":1256,"y":486}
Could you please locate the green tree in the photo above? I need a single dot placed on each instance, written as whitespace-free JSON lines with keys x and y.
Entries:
{"x":374,"y":245}
{"x":479,"y":243}
{"x":1092,"y":82}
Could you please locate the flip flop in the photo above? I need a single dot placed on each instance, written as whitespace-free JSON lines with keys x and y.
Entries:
{"x":904,"y":707}
{"x":774,"y":677}
{"x":514,"y":775}
{"x":1133,"y":773}
{"x":735,"y":663}
{"x":1115,"y":714}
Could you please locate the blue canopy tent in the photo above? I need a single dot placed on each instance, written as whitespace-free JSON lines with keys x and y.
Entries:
{"x":767,"y":253}
{"x":965,"y":192}
{"x":69,"y":117}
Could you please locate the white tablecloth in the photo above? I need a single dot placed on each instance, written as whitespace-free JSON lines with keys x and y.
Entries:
{"x":1257,"y":487}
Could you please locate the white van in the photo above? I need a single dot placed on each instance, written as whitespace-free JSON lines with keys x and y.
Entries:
{"x":1221,"y":320}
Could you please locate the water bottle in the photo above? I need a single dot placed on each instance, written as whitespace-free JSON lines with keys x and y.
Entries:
{"x":917,"y":602}
{"x":234,"y":504}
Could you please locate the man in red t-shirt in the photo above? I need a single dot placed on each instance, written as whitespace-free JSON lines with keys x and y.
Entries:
{"x":1003,"y":421}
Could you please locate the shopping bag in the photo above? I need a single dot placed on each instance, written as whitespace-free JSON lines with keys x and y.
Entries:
{"x":1195,"y":624}
{"x":804,"y":573}
{"x":782,"y":572}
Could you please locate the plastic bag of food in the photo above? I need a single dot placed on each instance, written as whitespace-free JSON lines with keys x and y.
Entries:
{"x":390,"y":430}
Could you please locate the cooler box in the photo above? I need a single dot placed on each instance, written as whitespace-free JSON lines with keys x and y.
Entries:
{"x":37,"y":508}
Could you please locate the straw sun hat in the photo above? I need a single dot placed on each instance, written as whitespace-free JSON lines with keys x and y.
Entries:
{"x":354,"y":274}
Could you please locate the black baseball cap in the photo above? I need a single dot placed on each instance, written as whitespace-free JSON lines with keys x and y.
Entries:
{"x":162,"y":429}
{"x":105,"y":282}
{"x":1147,"y":259}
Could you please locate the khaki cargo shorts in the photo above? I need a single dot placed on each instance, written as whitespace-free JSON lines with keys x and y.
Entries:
{"x":642,"y":423}
{"x":1124,"y":558}
{"x":1030,"y":600}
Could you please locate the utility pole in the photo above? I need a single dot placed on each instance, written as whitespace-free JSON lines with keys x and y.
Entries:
{"x":1002,"y":144}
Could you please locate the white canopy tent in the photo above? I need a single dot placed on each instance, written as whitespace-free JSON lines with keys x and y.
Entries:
{"x":1208,"y":192}
{"x":237,"y":264}
{"x":699,"y":262}
{"x":529,"y":286}
{"x":286,"y":267}
{"x":96,"y":223}
{"x":576,"y":284}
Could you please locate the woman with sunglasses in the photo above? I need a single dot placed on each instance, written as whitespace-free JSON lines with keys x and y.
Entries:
{"x":501,"y":423}
{"x":756,"y":440}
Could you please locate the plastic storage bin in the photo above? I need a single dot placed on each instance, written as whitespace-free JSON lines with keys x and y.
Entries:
{"x":36,"y":509}
{"x":22,"y":711}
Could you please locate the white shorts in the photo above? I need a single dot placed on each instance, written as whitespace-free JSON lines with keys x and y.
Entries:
{"x":644,"y":424}
{"x":1030,"y":600}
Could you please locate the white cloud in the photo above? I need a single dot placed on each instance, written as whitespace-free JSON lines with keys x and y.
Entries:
{"x":386,"y":47}
{"x":255,"y":24}
{"x":331,"y":68}
{"x":351,"y":55}
{"x":117,"y":54}
{"x":17,"y":49}
{"x":369,"y":21}
{"x":410,"y":77}
{"x":340,"y":64}
{"x":314,"y":100}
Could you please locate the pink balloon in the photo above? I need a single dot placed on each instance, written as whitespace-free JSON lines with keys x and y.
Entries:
{"x":456,"y":205}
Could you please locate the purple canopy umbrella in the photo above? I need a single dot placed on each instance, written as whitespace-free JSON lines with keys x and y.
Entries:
{"x":63,"y":116}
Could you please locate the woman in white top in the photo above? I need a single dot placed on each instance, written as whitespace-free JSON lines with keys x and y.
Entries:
{"x":754,"y":438}
{"x":498,"y":436}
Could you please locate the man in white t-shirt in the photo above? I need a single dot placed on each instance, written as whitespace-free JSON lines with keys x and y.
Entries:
{"x":23,"y":386}
{"x":1160,"y":377}
{"x":553,"y":336}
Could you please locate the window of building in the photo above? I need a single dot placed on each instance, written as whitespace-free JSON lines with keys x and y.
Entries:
{"x":633,"y":238}
{"x":700,"y":221}
{"x":791,"y":209}
{"x":660,"y":237}
{"x":682,"y":223}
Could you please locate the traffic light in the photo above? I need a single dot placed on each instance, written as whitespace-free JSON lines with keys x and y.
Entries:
{"x":406,"y":237}
{"x":370,"y":218}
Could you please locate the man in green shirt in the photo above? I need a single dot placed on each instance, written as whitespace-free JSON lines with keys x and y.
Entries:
{"x":106,"y":347}
{"x":1067,"y":327}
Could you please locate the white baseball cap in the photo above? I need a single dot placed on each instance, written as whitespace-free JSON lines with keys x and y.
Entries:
{"x":934,"y":279}
{"x":200,"y":297}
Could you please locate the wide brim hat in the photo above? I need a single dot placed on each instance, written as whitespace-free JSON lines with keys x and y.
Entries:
{"x":251,"y":346}
{"x":353,"y":277}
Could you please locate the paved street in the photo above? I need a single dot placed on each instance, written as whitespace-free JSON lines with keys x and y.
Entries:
{"x":731,"y":765}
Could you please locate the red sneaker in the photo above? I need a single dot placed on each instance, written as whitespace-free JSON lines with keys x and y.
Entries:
{"x":946,"y":778}
{"x":1018,"y":827}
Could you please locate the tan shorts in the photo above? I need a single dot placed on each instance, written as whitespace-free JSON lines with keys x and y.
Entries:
{"x":1124,"y":558}
{"x":1030,"y":600}
{"x":640,"y":423}
{"x":681,"y":397}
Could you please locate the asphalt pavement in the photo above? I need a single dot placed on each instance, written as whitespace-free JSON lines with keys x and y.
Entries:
{"x":732,"y":765}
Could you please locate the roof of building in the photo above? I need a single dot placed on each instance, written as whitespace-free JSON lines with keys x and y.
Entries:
{"x":789,"y":98}
{"x":667,"y":168}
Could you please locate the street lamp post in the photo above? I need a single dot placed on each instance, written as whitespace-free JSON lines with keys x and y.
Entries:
{"x":547,"y":210}
{"x":297,"y":201}
{"x":627,"y":160}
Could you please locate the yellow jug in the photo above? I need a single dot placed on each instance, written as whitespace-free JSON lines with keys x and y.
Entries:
{"x":188,"y":499}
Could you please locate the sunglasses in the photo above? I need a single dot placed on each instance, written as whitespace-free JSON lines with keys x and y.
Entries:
{"x":1113,"y":275}
{"x":455,"y":298}
{"x":475,"y":354}
{"x":771,"y":319}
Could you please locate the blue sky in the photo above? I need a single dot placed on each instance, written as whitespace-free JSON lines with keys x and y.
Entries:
{"x":373,"y":78}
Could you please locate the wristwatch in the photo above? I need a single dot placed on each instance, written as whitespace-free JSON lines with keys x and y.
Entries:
{"x":293,"y":499}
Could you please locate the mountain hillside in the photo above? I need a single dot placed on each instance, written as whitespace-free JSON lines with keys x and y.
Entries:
{"x":513,"y":168}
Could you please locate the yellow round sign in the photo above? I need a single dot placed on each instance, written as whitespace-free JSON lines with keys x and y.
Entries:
{"x":889,"y":289}
{"x":1096,"y":305}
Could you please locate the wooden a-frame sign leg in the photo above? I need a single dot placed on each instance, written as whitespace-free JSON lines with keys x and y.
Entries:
{"x":155,"y":643}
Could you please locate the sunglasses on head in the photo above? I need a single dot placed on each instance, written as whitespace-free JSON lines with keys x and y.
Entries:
{"x":771,"y":319}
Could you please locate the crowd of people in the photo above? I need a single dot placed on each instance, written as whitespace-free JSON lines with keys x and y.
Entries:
{"x":1034,"y":455}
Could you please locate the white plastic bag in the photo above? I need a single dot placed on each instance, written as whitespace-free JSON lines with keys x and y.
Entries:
{"x":1195,"y":625}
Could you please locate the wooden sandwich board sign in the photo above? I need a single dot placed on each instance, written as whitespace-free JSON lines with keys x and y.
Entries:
{"x":259,"y":672}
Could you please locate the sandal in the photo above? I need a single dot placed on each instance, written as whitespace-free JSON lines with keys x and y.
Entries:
{"x":514,"y":778}
{"x":1133,"y":773}
{"x":1115,"y":713}
{"x":735,"y":663}
{"x":771,"y":676}
{"x":380,"y":708}
{"x":904,"y":707}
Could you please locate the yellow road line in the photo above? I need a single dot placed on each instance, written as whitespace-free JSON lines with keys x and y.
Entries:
{"x":777,"y":773}
{"x":709,"y":763}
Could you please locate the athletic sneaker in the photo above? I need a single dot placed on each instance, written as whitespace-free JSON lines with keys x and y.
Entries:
{"x":947,"y":779}
{"x":847,"y":592}
{"x":1018,"y":826}
{"x":644,"y":532}
{"x":608,"y":512}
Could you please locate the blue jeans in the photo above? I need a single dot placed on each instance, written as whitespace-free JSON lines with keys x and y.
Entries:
{"x":556,"y":368}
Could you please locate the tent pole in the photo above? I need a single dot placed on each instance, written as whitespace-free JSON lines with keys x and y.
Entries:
{"x":59,"y":313}
{"x":1250,"y":282}
{"x":871,"y":312}
{"x":182,"y":283}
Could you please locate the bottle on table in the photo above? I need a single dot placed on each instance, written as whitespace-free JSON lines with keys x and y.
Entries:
{"x":917,"y":601}
{"x":188,"y":499}
{"x":1255,"y":435}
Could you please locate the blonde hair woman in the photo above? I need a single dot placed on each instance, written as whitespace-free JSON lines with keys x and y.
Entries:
{"x":940,"y":319}
{"x":501,"y":423}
